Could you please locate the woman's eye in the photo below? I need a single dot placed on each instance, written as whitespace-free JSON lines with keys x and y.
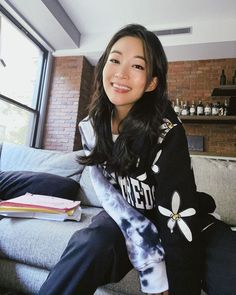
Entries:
{"x":113,"y":60}
{"x":138,"y":67}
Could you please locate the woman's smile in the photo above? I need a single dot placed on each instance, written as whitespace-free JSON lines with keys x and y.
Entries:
{"x":120,"y":88}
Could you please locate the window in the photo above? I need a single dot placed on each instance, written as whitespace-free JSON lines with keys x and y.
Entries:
{"x":22,"y":71}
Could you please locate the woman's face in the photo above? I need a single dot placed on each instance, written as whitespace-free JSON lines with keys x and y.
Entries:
{"x":125,"y":73}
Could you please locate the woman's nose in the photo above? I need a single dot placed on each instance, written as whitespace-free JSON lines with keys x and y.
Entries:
{"x":122,"y":73}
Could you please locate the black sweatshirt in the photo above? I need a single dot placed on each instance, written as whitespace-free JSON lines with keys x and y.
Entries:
{"x":166,"y":194}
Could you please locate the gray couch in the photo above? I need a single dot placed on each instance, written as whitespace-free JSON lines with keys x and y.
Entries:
{"x":29,"y":248}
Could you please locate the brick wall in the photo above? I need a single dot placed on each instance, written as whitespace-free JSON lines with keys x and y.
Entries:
{"x":219,"y":139}
{"x":195,"y":80}
{"x":191,"y":80}
{"x":69,"y":96}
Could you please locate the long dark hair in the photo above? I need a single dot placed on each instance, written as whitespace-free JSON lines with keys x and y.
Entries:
{"x":140,"y":127}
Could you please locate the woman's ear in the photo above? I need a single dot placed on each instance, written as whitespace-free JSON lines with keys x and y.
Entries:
{"x":152,"y":85}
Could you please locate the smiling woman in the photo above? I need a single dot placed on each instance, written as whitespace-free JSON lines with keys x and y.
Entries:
{"x":125,"y":77}
{"x":153,"y":219}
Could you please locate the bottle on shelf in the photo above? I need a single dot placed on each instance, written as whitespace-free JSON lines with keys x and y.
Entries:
{"x":185,"y":109}
{"x":177,"y":107}
{"x":223,"y":78}
{"x":220,"y":108}
{"x":207,"y":109}
{"x":226,"y":108}
{"x":215,"y":109}
{"x":192,"y":109}
{"x":200,"y":109}
{"x":181,"y":107}
{"x":234,"y":78}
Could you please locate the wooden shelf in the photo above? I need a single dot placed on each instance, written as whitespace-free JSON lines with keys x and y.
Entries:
{"x":224,"y":90}
{"x":209,"y":119}
{"x":229,"y":156}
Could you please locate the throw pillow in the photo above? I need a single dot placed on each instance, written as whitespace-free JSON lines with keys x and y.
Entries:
{"x":16,"y":183}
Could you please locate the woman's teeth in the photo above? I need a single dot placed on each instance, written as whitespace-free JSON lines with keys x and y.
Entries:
{"x":122,"y":87}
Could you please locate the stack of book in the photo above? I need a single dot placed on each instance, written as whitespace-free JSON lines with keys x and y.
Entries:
{"x":41,"y":207}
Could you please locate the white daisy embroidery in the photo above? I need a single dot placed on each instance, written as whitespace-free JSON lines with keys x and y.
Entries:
{"x":177,"y":217}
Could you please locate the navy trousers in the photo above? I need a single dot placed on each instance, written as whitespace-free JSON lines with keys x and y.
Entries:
{"x":97,"y":255}
{"x":94,"y":256}
{"x":219,"y":261}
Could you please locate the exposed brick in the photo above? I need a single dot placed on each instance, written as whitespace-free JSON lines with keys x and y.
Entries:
{"x":71,"y":87}
{"x":65,"y":107}
{"x":195,"y":80}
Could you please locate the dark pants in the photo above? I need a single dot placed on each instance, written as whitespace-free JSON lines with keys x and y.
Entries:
{"x":219,"y":274}
{"x":94,"y":256}
{"x":97,"y":255}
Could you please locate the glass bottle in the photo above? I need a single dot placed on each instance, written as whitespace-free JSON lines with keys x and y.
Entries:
{"x":226,"y":108}
{"x":181,"y":107}
{"x":207,"y":109}
{"x":220,"y":108}
{"x":192,"y":109}
{"x":200,"y":108}
{"x":215,"y":109}
{"x":185,"y":111}
{"x":222,"y":78}
{"x":177,"y":107}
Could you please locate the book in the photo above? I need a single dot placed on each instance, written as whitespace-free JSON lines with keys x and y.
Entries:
{"x":76,"y":216}
{"x":41,"y":207}
{"x":41,"y":201}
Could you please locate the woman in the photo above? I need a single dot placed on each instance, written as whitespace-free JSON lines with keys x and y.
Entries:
{"x":137,"y":153}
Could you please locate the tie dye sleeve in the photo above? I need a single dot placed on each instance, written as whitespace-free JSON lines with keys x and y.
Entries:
{"x":142,"y":238}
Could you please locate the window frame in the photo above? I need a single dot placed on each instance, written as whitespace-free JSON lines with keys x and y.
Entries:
{"x":35,"y":138}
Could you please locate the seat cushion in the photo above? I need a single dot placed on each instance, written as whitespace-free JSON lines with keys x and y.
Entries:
{"x":39,"y":243}
{"x":19,"y":279}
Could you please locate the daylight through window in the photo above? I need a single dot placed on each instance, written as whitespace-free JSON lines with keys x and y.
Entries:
{"x":22,"y":62}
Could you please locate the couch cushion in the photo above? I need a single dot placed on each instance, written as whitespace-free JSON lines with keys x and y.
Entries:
{"x":22,"y":158}
{"x":20,"y":278}
{"x":16,"y":183}
{"x":217,"y":177}
{"x":39,"y":243}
